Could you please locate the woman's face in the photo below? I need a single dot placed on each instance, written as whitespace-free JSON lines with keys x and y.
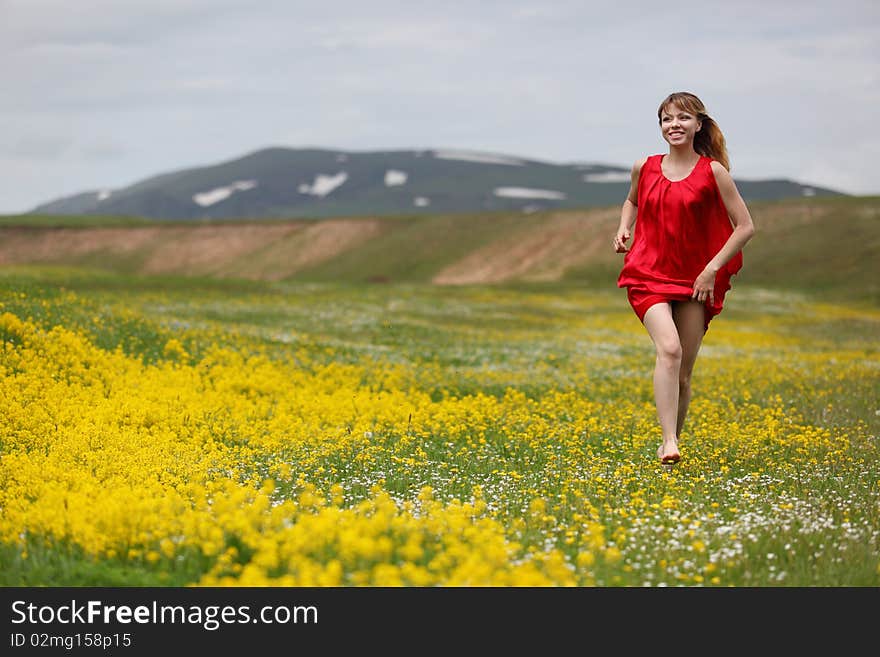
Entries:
{"x":678,"y":125}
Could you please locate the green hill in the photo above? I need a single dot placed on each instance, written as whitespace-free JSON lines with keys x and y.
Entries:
{"x":824,"y":245}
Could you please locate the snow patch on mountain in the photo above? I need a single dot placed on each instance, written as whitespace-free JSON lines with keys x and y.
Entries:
{"x":222,"y":193}
{"x":528,"y":192}
{"x":394,"y":177}
{"x":471,"y":156}
{"x":608,"y":177}
{"x":323,"y":184}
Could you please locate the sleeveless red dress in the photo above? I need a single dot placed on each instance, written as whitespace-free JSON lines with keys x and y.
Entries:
{"x":680,"y":226}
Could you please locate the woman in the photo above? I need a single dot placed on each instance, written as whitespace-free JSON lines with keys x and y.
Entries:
{"x":692,"y":226}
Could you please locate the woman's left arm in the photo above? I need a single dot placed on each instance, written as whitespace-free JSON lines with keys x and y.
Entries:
{"x":743,"y":230}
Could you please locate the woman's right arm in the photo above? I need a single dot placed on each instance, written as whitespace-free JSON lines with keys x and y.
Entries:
{"x":630,"y":209}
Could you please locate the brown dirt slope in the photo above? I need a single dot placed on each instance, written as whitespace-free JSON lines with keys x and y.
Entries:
{"x":540,"y":251}
{"x":258,"y":251}
{"x":820,"y":244}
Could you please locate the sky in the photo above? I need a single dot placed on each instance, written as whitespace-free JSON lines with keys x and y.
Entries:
{"x":99,"y":94}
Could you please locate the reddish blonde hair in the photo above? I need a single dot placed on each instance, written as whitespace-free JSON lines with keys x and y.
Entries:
{"x":709,"y":141}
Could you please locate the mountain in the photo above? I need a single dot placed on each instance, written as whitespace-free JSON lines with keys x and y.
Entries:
{"x":291,"y":183}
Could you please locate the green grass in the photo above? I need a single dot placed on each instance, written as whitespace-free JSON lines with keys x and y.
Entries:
{"x":72,"y":221}
{"x":801,"y":515}
{"x":828,"y":247}
{"x":824,"y":246}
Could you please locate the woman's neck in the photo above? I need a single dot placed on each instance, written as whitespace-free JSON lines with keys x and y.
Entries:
{"x":684,"y":154}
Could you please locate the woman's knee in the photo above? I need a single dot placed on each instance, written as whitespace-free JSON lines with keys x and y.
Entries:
{"x":669,"y":351}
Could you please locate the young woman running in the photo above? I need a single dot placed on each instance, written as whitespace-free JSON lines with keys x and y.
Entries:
{"x":692,"y":225}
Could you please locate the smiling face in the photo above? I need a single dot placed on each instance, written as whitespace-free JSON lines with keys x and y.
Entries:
{"x":678,"y":125}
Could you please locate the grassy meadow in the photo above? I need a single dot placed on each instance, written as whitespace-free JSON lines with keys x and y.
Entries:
{"x":192,"y":431}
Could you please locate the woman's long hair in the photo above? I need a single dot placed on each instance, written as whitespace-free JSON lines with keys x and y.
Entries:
{"x":709,"y":141}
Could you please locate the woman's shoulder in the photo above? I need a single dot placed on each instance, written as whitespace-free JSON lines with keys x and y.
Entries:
{"x":637,"y":167}
{"x":718,"y":169}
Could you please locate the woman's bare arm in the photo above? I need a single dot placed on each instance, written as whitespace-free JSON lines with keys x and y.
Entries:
{"x":743,"y":229}
{"x":629,"y":210}
{"x":743,"y":226}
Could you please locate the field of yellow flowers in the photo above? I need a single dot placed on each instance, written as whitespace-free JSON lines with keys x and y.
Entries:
{"x":171,"y":432}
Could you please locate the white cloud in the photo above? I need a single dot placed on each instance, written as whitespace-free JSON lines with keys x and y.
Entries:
{"x":39,"y":146}
{"x":177,"y":83}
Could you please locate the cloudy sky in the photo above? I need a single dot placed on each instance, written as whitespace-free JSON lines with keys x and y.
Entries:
{"x":99,"y":94}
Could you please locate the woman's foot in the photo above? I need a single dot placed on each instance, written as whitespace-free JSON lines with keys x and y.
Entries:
{"x":668,"y":452}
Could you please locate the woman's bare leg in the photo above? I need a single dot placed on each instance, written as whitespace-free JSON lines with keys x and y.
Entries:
{"x":661,"y":327}
{"x":689,"y":318}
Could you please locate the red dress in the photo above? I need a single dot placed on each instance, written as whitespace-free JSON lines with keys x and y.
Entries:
{"x":680,"y":226}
